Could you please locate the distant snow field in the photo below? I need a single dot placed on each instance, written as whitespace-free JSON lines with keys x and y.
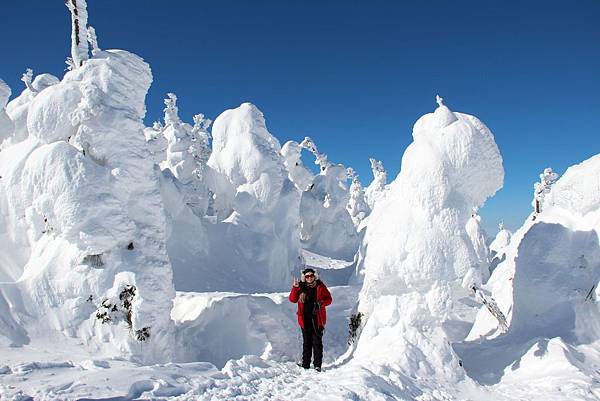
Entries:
{"x":156,"y":262}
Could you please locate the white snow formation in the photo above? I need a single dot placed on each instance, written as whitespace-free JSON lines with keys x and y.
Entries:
{"x":498,"y":246}
{"x":257,"y":235}
{"x":357,"y":205}
{"x":327,"y":228}
{"x":102,"y":220}
{"x":478,"y":238}
{"x":298,"y":174}
{"x":377,"y":188}
{"x":75,"y":193}
{"x":7,"y":126}
{"x":417,"y":258}
{"x":547,"y":288}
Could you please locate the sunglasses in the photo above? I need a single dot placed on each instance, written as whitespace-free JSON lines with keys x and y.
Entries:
{"x":308,"y":275}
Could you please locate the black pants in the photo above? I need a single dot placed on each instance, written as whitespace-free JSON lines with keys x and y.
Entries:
{"x":313,"y":343}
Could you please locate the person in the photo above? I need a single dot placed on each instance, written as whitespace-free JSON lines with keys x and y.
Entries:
{"x":312,"y":296}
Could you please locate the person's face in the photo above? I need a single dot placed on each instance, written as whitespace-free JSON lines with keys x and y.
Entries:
{"x":309,"y":277}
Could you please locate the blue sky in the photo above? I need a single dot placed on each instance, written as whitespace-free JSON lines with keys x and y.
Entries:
{"x":356,"y":75}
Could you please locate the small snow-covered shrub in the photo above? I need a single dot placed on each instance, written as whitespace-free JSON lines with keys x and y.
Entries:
{"x":115,"y":311}
{"x":353,"y":326}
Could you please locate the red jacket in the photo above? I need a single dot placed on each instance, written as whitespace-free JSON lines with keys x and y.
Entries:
{"x":323,"y":296}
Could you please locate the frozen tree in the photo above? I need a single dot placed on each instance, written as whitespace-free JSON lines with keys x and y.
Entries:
{"x":415,"y":253}
{"x":542,"y":188}
{"x":171,"y":110}
{"x":499,"y":246}
{"x":179,"y":160}
{"x":26,"y":78}
{"x":320,"y":158}
{"x":188,"y":151}
{"x":298,"y":174}
{"x":200,"y":148}
{"x":376,"y":189}
{"x":157,"y":143}
{"x":357,"y":205}
{"x":7,"y":126}
{"x":93,"y":40}
{"x":478,"y":239}
{"x":79,"y":33}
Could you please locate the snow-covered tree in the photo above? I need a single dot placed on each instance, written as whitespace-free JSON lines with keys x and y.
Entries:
{"x":27,"y":78}
{"x":298,"y":174}
{"x":188,"y":151}
{"x":157,"y":143}
{"x":499,"y":246}
{"x":93,"y":40}
{"x":357,"y":205}
{"x":200,"y":148}
{"x":79,"y":32}
{"x":7,"y":126}
{"x":478,"y":238}
{"x":326,"y":226}
{"x":377,"y":188}
{"x":320,"y":158}
{"x":171,"y":110}
{"x":541,"y":189}
{"x":416,"y":254}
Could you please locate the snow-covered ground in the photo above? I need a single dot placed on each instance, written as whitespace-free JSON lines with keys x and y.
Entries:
{"x":151,"y":263}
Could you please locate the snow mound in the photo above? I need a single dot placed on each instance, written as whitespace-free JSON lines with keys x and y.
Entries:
{"x":416,"y":257}
{"x":220,"y":327}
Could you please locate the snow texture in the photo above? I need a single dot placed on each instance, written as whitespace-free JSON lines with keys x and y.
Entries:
{"x":377,"y":188}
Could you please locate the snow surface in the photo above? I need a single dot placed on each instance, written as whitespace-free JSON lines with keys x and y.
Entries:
{"x":190,"y":249}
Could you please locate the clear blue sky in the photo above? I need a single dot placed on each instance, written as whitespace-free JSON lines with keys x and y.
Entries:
{"x":356,"y":75}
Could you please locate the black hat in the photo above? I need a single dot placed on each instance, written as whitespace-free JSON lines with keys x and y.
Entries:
{"x":309,"y":270}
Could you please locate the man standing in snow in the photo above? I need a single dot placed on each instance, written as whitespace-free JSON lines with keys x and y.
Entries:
{"x":312,"y":296}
